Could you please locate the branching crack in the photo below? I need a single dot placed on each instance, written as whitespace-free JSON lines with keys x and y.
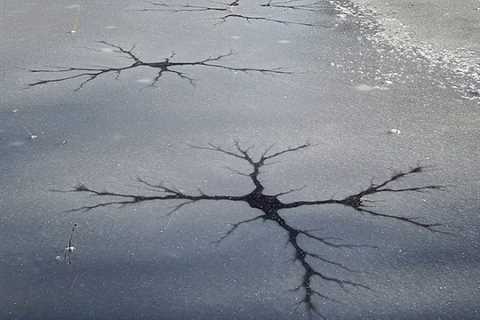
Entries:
{"x":296,"y":5}
{"x":259,"y":18}
{"x":271,"y":207}
{"x":300,"y":5}
{"x":167,"y":65}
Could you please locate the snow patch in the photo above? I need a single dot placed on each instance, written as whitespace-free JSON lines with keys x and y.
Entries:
{"x":73,"y":6}
{"x":366,"y":87}
{"x":144,"y":80}
{"x":460,"y":67}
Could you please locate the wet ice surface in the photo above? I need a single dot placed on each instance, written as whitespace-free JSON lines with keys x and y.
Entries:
{"x":345,"y":96}
{"x":444,"y":40}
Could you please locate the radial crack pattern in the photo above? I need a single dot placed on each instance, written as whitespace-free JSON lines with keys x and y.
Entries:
{"x":270,"y":207}
{"x":86,"y":74}
{"x":296,"y":5}
{"x":300,"y":5}
{"x":258,"y":18}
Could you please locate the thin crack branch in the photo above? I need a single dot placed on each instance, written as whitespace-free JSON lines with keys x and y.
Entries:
{"x":243,"y":154}
{"x":357,"y":201}
{"x":271,"y":206}
{"x":428,"y":226}
{"x":288,"y":150}
{"x":235,"y":226}
{"x":183,"y":8}
{"x":310,"y":272}
{"x":327,"y":242}
{"x":246,"y":70}
{"x":315,"y":6}
{"x":331,"y":262}
{"x":181,"y":205}
{"x":301,"y":255}
{"x":311,"y":7}
{"x":121,"y":50}
{"x":235,"y":171}
{"x":289,"y":191}
{"x":88,"y":74}
{"x":130,"y":199}
{"x":186,"y":8}
{"x":212,"y":147}
{"x":259,"y":18}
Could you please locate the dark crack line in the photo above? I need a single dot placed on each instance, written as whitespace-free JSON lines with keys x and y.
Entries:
{"x":311,"y":7}
{"x":292,"y":5}
{"x":259,"y":18}
{"x":184,"y":8}
{"x":165,"y":66}
{"x":271,"y":207}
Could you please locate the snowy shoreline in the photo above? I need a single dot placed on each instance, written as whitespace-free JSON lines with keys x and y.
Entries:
{"x":444,"y":34}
